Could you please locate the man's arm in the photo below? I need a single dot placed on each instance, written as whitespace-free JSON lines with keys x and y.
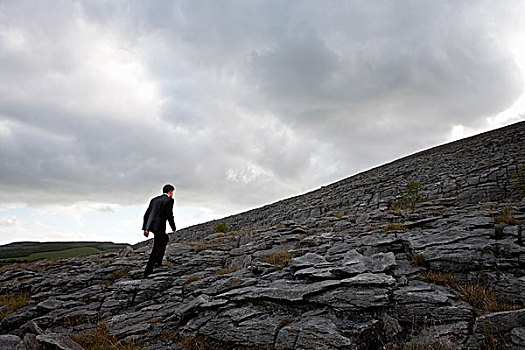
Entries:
{"x":170,"y":215}
{"x":144,"y":223}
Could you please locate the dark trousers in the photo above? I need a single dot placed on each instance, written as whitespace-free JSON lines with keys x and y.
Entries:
{"x":160,"y":240}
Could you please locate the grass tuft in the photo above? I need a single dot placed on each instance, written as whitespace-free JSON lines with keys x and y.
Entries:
{"x":115,"y":276}
{"x":13,"y":302}
{"x":395,"y":227}
{"x":99,"y":338}
{"x":505,"y":218}
{"x":479,"y":295}
{"x":286,"y":320}
{"x":417,"y":260}
{"x":192,"y":279}
{"x":228,"y":271}
{"x":200,"y":248}
{"x":278,"y":258}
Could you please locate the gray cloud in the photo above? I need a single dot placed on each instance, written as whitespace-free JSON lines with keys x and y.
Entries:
{"x":236,"y":103}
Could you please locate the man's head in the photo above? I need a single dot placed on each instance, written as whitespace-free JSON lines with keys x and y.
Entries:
{"x":168,"y":189}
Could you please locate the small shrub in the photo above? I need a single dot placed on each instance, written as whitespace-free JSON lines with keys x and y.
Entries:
{"x":444,"y":279}
{"x":13,"y":301}
{"x":278,"y":258}
{"x":410,"y":197}
{"x":505,"y":218}
{"x":221,"y":227}
{"x":395,"y":227}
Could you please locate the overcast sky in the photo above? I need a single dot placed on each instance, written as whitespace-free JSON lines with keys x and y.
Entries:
{"x":236,"y":103}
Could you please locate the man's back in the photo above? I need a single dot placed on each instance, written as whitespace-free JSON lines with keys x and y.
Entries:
{"x":159,"y":211}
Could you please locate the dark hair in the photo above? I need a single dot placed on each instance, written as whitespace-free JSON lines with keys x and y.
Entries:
{"x":167,"y":188}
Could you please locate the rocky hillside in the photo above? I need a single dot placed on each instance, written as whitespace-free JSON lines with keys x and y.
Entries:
{"x":423,"y":253}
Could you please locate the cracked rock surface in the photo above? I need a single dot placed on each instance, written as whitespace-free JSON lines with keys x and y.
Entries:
{"x":348,"y":266}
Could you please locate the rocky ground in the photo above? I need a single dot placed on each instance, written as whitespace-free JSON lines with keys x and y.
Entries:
{"x":423,"y":253}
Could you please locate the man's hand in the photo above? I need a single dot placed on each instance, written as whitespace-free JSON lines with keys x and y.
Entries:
{"x":146,"y":233}
{"x":173,"y":232}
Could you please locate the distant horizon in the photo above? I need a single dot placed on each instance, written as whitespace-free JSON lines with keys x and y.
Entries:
{"x":283,"y":199}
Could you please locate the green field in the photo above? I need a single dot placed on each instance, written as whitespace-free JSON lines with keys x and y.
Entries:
{"x":61,"y":254}
{"x":31,"y":251}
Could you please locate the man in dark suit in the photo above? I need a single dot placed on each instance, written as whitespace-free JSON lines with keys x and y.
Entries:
{"x":159,"y":211}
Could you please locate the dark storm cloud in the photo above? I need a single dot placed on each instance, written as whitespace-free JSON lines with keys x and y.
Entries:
{"x":237,"y":103}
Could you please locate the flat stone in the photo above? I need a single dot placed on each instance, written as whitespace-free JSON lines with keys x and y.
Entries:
{"x":223,"y":286}
{"x":313,"y":333}
{"x":317,"y":273}
{"x":283,"y":290}
{"x":370,"y":279}
{"x":11,"y":342}
{"x":49,"y":305}
{"x":57,"y":342}
{"x":248,"y":332}
{"x":380,"y":262}
{"x":353,"y":298}
{"x":307,"y":260}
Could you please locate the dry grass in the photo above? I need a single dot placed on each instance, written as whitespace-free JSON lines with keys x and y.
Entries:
{"x":444,"y":279}
{"x":115,"y":276}
{"x":278,"y":258}
{"x":100,"y":339}
{"x":190,"y":343}
{"x":200,"y":248}
{"x":286,"y":320}
{"x":228,"y":271}
{"x":417,"y":260}
{"x":168,"y":264}
{"x":479,"y":295}
{"x":13,"y":301}
{"x":397,"y":206}
{"x":394,"y":227}
{"x":505,"y":218}
{"x":483,"y":298}
{"x":99,"y":261}
{"x":192,"y":279}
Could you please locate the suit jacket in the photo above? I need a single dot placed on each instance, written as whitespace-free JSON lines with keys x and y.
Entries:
{"x":159,"y":211}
